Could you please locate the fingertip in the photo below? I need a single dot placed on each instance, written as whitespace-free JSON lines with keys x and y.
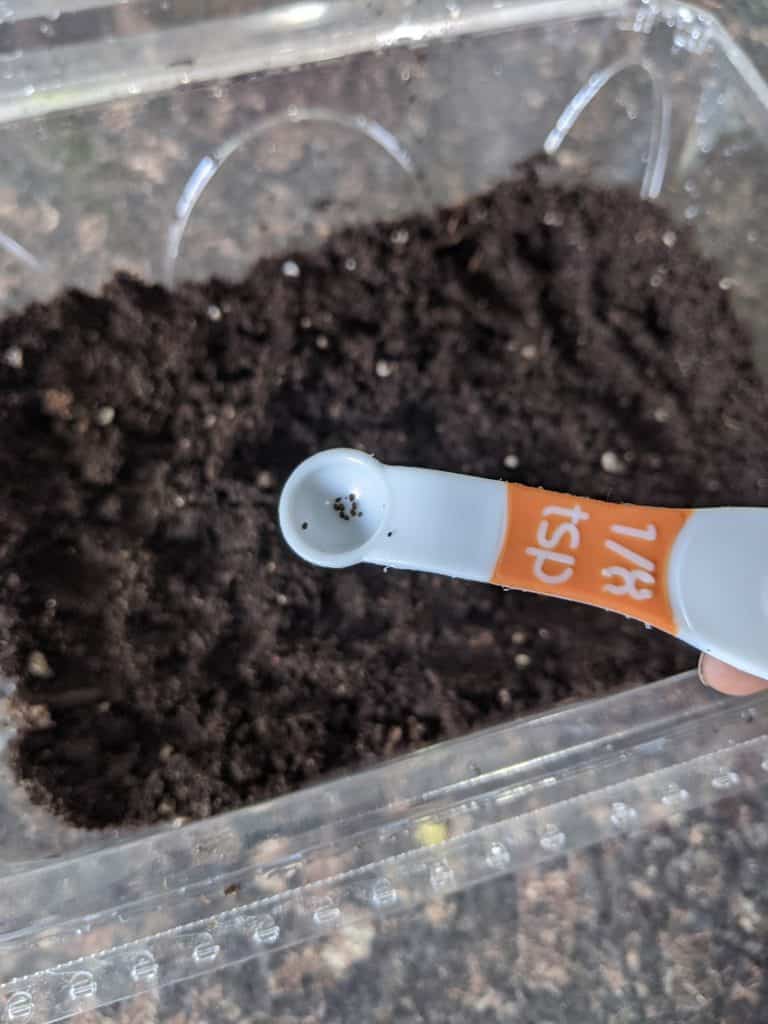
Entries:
{"x":701,"y":668}
{"x":727,"y":679}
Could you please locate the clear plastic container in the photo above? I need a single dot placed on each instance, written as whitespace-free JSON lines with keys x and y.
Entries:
{"x":605,"y":862}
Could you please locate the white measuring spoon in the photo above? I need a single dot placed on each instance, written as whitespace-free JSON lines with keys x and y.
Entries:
{"x":700,"y":574}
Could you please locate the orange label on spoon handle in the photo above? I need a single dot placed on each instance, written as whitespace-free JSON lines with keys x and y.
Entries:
{"x":597,"y":552}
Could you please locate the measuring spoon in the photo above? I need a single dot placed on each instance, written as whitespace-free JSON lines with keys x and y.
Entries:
{"x":699,"y":574}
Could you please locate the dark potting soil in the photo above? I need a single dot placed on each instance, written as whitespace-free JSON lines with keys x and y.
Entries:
{"x":174,"y":656}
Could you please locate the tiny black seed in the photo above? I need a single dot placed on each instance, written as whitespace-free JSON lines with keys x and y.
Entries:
{"x":351,"y":497}
{"x":304,"y":526}
{"x":389,"y":534}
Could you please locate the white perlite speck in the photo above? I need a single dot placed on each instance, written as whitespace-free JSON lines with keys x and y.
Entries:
{"x":553,"y":219}
{"x":611,"y":463}
{"x":14,"y":357}
{"x":214,"y":313}
{"x":37,"y":665}
{"x":291,"y":269}
{"x":383,"y":368}
{"x":522,"y":660}
{"x":669,"y":238}
{"x":105,"y":415}
{"x":528,"y":351}
{"x":511,"y":461}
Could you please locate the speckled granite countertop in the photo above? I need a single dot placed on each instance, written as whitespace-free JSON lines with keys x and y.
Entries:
{"x":747,"y":22}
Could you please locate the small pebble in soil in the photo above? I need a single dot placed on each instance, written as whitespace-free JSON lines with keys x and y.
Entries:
{"x":610,"y":462}
{"x":57,"y":402}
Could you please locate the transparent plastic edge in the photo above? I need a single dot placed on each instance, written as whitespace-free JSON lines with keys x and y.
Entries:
{"x":79,"y":75}
{"x":66,"y":77}
{"x":737,"y":58}
{"x":513,"y":796}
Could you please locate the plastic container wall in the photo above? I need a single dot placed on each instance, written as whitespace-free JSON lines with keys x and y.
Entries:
{"x":178,"y":140}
